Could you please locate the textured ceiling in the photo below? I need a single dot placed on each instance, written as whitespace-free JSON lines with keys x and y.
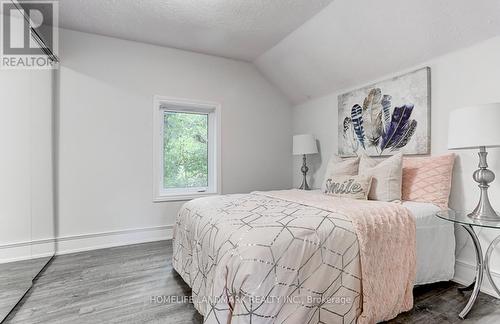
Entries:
{"x":241,"y":29}
{"x":352,"y":42}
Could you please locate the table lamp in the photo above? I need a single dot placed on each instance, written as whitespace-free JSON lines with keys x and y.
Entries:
{"x":477,"y":127}
{"x":303,"y":145}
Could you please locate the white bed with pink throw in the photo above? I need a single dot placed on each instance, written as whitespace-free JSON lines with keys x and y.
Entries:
{"x":296,"y":257}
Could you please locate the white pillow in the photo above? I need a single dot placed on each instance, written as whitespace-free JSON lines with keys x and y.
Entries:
{"x":338,"y":166}
{"x":348,"y":186}
{"x":387,"y":176}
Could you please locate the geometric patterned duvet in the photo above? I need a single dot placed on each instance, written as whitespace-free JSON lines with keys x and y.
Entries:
{"x":251,"y":258}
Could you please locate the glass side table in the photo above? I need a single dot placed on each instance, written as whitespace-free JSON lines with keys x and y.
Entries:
{"x":482,"y":264}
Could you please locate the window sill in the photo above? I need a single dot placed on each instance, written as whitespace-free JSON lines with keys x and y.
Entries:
{"x":183,"y":197}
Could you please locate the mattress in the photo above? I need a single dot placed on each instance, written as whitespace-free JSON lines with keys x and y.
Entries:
{"x":435,"y":244}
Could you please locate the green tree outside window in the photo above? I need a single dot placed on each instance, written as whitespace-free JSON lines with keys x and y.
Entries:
{"x":185,"y":150}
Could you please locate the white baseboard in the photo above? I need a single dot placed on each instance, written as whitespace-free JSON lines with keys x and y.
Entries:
{"x":21,"y":251}
{"x":84,"y":242}
{"x":95,"y":241}
{"x":465,"y":272}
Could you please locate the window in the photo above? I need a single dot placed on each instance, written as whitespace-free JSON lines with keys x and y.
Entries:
{"x":187,"y":147}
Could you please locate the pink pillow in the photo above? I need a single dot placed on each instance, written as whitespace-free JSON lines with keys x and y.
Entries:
{"x":428,"y":179}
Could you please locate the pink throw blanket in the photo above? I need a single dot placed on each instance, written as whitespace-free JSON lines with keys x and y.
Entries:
{"x":387,"y":243}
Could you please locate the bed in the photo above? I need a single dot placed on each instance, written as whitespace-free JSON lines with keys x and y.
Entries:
{"x":296,"y":257}
{"x":435,"y":244}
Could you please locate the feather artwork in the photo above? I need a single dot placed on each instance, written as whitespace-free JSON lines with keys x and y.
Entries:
{"x":357,"y":122}
{"x":386,"y":117}
{"x":348,"y":133}
{"x":347,"y":125}
{"x":397,"y":128}
{"x":410,"y":130}
{"x":371,"y":116}
{"x":386,"y":112}
{"x":378,"y":130}
{"x":372,"y":99}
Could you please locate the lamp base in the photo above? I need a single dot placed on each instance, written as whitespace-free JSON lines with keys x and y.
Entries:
{"x":304,"y":169}
{"x":304,"y":186}
{"x":482,"y":216}
{"x":484,"y":211}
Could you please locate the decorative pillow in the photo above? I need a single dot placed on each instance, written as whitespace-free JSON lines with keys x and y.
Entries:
{"x":346,"y":186}
{"x":387,"y":176}
{"x":428,"y":179}
{"x":338,"y":166}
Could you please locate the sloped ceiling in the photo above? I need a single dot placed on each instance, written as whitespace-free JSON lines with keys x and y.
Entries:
{"x":351,"y":42}
{"x":240,"y":29}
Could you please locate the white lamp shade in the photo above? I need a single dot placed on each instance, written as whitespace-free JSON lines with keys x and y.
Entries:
{"x":474,"y":126}
{"x":304,"y":144}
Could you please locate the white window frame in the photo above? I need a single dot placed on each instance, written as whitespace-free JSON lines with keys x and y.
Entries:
{"x":162,"y":104}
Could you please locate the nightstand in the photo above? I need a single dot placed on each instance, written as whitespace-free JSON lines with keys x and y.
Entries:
{"x":482,"y":264}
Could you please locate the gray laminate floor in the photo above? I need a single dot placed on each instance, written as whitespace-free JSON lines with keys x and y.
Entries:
{"x":116,"y":285}
{"x":15,"y":280}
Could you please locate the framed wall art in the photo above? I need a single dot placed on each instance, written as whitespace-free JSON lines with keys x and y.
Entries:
{"x":387,"y":117}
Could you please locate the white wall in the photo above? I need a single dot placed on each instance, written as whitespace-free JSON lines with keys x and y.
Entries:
{"x":15,"y":187}
{"x":26,"y":188}
{"x":462,"y":78}
{"x":26,"y":169}
{"x":105,"y":134}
